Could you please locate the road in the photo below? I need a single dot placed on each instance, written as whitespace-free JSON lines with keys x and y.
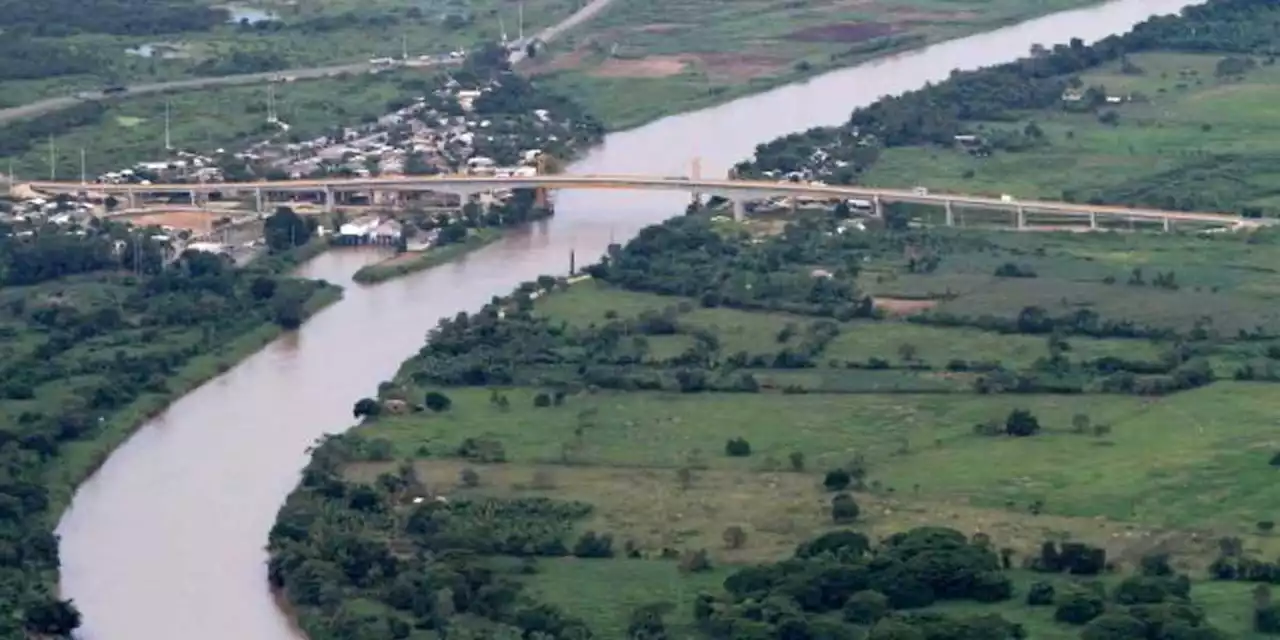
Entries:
{"x":732,"y":189}
{"x":550,"y":34}
{"x":48,"y":105}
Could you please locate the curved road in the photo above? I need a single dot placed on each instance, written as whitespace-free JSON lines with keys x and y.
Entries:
{"x":48,"y":105}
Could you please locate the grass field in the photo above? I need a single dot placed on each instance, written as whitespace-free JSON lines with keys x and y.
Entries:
{"x":1134,"y":474}
{"x":1179,"y":119}
{"x":681,"y":54}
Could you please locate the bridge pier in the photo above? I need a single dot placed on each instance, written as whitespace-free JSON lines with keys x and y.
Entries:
{"x":951,"y":218}
{"x":257,"y":200}
{"x":1168,"y":223}
{"x":1022,"y":218}
{"x":328,"y":199}
{"x":877,"y":208}
{"x":739,"y":209}
{"x":1093,"y":220}
{"x":131,"y":199}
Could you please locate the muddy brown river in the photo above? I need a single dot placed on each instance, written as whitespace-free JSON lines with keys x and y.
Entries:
{"x":166,"y":540}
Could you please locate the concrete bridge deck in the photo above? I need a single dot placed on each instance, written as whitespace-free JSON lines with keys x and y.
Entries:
{"x":732,"y":189}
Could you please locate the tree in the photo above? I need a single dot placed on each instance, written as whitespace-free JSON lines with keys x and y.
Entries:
{"x":844,"y":509}
{"x":469,"y":478}
{"x":734,"y":537}
{"x":1080,"y":422}
{"x":437,"y":401}
{"x":737,"y":448}
{"x":542,"y":400}
{"x":837,"y":480}
{"x":1114,"y":626}
{"x":52,"y":618}
{"x":285,"y":230}
{"x":866,"y":607}
{"x":1021,"y":423}
{"x":262,"y":288}
{"x":365,"y":407}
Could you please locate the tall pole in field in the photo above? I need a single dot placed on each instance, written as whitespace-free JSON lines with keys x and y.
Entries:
{"x":168,"y":140}
{"x":82,"y":171}
{"x":53,"y":167}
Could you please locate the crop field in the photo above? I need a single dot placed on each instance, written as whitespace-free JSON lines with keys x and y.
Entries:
{"x":1182,"y":124}
{"x":679,"y":54}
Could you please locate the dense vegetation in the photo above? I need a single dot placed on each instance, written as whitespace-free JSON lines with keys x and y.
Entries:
{"x":100,"y":329}
{"x":690,"y":309}
{"x":1008,"y":109}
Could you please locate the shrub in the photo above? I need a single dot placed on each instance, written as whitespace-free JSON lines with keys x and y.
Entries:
{"x":866,"y":607}
{"x":734,"y":537}
{"x":737,"y":448}
{"x":797,"y":461}
{"x":469,"y":478}
{"x":1040,"y":594}
{"x":694,"y":561}
{"x":541,"y":400}
{"x":844,"y":508}
{"x":591,"y":545}
{"x":837,"y":480}
{"x":437,"y":401}
{"x":991,"y":586}
{"x":1079,"y":608}
{"x":1021,"y":423}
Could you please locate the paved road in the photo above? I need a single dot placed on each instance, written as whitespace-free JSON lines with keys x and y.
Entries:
{"x":54,"y":104}
{"x":550,"y":34}
{"x":728,"y":188}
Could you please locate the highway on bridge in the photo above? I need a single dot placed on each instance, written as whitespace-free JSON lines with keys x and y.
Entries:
{"x":731,"y":189}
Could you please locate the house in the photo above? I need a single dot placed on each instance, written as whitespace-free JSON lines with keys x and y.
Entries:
{"x":389,"y":232}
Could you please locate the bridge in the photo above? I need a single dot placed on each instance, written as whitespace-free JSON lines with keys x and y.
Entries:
{"x":737,"y":191}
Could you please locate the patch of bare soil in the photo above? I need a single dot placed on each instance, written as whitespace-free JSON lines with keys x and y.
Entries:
{"x":646,"y":67}
{"x":842,"y":32}
{"x":190,"y":220}
{"x":903,"y":306}
{"x":739,"y":67}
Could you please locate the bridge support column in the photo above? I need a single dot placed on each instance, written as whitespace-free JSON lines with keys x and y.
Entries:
{"x":795,"y":205}
{"x":951,"y":216}
{"x":131,"y":199}
{"x":257,"y":200}
{"x":877,"y":208}
{"x":1022,"y":218}
{"x":328,"y":200}
{"x":739,"y":210}
{"x":1093,"y":220}
{"x":1168,"y":223}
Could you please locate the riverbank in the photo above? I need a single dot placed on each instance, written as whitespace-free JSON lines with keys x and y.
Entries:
{"x":412,"y":261}
{"x":641,"y":62}
{"x":146,"y":521}
{"x":93,"y":355}
{"x":1155,"y":118}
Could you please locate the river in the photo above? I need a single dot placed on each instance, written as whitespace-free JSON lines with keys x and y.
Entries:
{"x":166,"y":539}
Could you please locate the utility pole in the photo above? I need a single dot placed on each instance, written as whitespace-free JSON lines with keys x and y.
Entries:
{"x":404,"y":47}
{"x":522,"y":22}
{"x":83,"y":181}
{"x":502,"y":28}
{"x":271,"y":103}
{"x":53,"y":167}
{"x":168,"y":141}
